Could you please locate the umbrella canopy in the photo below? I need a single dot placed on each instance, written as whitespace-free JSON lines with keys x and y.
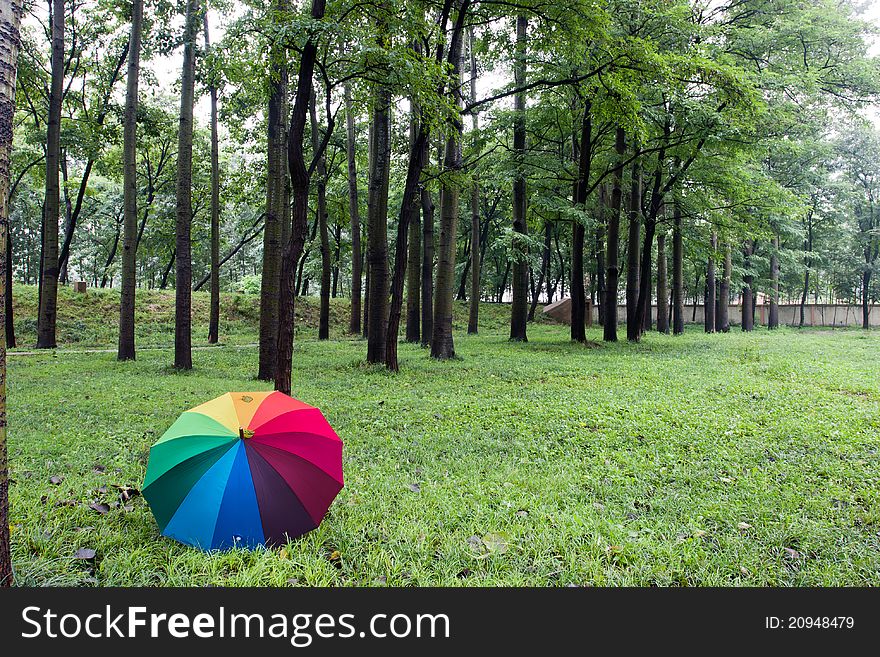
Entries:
{"x":242,"y":470}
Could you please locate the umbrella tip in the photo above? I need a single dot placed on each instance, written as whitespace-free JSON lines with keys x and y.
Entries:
{"x":245,"y":433}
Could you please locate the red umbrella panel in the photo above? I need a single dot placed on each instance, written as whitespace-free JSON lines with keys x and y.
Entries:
{"x":244,"y":469}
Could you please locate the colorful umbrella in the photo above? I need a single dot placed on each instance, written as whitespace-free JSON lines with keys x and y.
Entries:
{"x":243,"y":470}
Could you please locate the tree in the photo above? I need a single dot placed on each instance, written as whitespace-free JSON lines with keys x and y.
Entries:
{"x":10,"y":41}
{"x":183,"y":224}
{"x":633,"y":321}
{"x":519,"y":307}
{"x":476,"y":261}
{"x":51,"y":206}
{"x":677,"y":273}
{"x":709,"y":306}
{"x":126,"y":349}
{"x":276,"y":205}
{"x":300,"y":180}
{"x":612,"y":271}
{"x":214,"y":313}
{"x":321,"y":184}
{"x":354,"y":324}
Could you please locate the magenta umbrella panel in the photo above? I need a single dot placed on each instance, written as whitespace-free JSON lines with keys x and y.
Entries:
{"x":243,"y":470}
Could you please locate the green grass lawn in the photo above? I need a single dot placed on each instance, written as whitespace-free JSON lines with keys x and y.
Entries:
{"x":693,"y":460}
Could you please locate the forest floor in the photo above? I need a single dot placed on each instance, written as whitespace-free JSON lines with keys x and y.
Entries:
{"x":693,"y":460}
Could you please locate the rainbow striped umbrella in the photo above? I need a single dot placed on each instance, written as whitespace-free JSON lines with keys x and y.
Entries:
{"x":242,"y":470}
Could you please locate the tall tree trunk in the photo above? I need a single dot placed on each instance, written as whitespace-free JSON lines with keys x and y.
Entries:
{"x":612,"y":268}
{"x":365,"y":325}
{"x":724,"y":292}
{"x":276,"y":210}
{"x":773,"y":320}
{"x":126,"y":348}
{"x":519,"y":307}
{"x":10,"y":41}
{"x":414,"y":238}
{"x":427,"y":262}
{"x":582,"y":150}
{"x":299,"y":187}
{"x":409,"y":210}
{"x":662,"y":285}
{"x":214,"y":314}
{"x":51,"y":205}
{"x":442,"y":343}
{"x":866,"y":307}
{"x":633,"y":321}
{"x":600,"y":255}
{"x":709,"y":308}
{"x":321,"y":184}
{"x":476,"y":255}
{"x":337,"y":255}
{"x":354,"y":322}
{"x":747,"y":307}
{"x":377,"y":217}
{"x":183,"y":225}
{"x":677,"y":273}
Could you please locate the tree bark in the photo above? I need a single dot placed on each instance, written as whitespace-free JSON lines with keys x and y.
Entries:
{"x":126,"y":347}
{"x":442,"y":343}
{"x":773,"y":319}
{"x":662,"y":285}
{"x":183,"y":224}
{"x":214,"y":314}
{"x":709,"y":308}
{"x":51,"y":205}
{"x":321,"y":184}
{"x":354,"y":322}
{"x":677,"y":273}
{"x":427,"y":263}
{"x":581,"y":148}
{"x":377,"y":217}
{"x":474,"y":310}
{"x":300,"y":179}
{"x":612,"y":268}
{"x":519,"y":307}
{"x":633,"y":321}
{"x":724,"y":292}
{"x":273,"y":231}
{"x":601,"y":225}
{"x":747,"y":306}
{"x":10,"y":42}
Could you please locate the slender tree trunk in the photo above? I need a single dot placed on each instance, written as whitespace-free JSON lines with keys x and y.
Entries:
{"x":709,"y":308}
{"x":773,"y":320}
{"x":337,"y":254}
{"x":581,"y":149}
{"x":10,"y":42}
{"x":214,"y":314}
{"x":519,"y":307}
{"x":612,"y":269}
{"x":377,"y":218}
{"x":321,"y":184}
{"x":49,"y":266}
{"x":724,"y":292}
{"x":276,"y":212}
{"x":476,"y":255}
{"x":414,"y":238}
{"x":427,"y":263}
{"x":354,"y":322}
{"x":126,"y":348}
{"x":866,"y":308}
{"x":677,"y":274}
{"x":299,"y":188}
{"x":662,"y":285}
{"x":747,"y":307}
{"x":163,"y":282}
{"x":365,"y":325}
{"x":409,"y":210}
{"x":633,"y":323}
{"x":183,"y":225}
{"x":600,"y":255}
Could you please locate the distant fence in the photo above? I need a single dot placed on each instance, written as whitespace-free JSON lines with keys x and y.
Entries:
{"x":826,"y":314}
